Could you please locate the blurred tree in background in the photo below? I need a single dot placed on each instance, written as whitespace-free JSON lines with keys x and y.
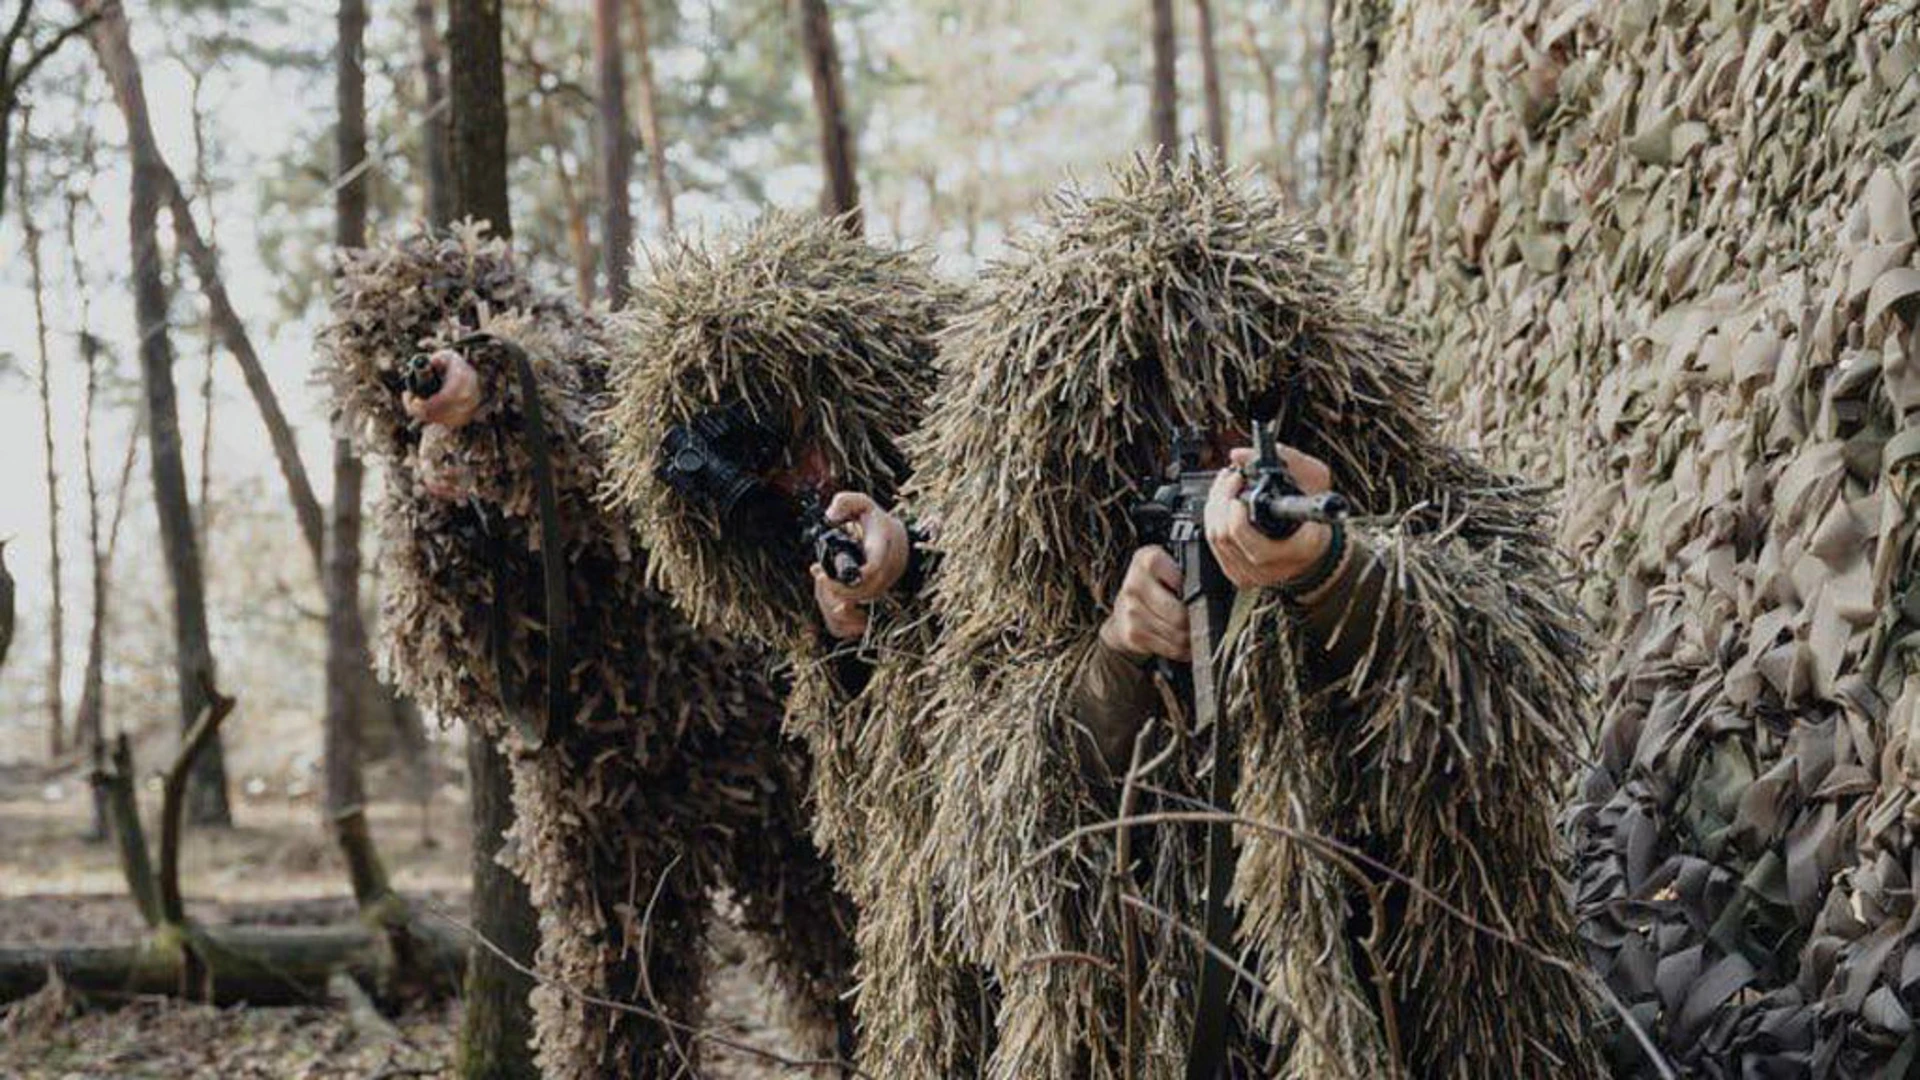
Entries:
{"x":946,"y":121}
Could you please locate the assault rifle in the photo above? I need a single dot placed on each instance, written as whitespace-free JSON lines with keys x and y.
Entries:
{"x":717,"y":461}
{"x":1174,"y":517}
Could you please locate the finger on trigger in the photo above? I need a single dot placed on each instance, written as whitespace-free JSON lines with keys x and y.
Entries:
{"x":1227,"y":483}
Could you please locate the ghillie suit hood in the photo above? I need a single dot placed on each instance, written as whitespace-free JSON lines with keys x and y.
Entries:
{"x":818,"y":331}
{"x":668,"y":777}
{"x":1667,"y":255}
{"x":795,"y":317}
{"x":1179,"y":298}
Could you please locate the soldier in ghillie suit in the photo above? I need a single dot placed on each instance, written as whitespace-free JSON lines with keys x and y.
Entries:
{"x":658,"y":775}
{"x":1402,"y":687}
{"x":800,"y":355}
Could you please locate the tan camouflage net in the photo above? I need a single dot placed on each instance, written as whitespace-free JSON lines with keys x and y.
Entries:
{"x":799,"y":319}
{"x":670,"y":780}
{"x":1175,"y":299}
{"x":1665,"y":253}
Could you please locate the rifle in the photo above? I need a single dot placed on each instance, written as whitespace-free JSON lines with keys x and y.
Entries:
{"x":1174,"y":517}
{"x":717,"y":460}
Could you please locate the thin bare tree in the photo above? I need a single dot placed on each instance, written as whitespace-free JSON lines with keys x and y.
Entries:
{"x":207,"y":799}
{"x":841,"y":195}
{"x":579,"y":235}
{"x":203,"y":190}
{"x":650,"y":122}
{"x":56,"y":614}
{"x":1163,"y":96}
{"x":615,"y":145}
{"x":1210,"y":82}
{"x":21,"y":55}
{"x":88,"y":718}
{"x":347,"y":696}
{"x":434,"y":133}
{"x":498,"y":1023}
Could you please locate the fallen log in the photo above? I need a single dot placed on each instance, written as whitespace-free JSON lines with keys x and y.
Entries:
{"x":257,"y":965}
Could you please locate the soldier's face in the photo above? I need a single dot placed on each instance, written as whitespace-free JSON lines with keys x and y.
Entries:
{"x":807,"y":467}
{"x":1221,"y":442}
{"x":810,"y":471}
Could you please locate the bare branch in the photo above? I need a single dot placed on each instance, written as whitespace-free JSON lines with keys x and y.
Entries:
{"x":14,"y":31}
{"x":45,"y":50}
{"x":172,"y":910}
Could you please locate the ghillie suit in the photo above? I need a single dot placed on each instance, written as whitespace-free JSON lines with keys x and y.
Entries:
{"x":832,"y":340}
{"x":667,"y":778}
{"x":1179,"y":299}
{"x":1666,"y":255}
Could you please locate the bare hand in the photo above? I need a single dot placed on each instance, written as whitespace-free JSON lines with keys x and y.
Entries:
{"x":1148,"y":618}
{"x":886,"y":546}
{"x":1249,"y":557}
{"x":845,"y":619}
{"x":458,"y":399}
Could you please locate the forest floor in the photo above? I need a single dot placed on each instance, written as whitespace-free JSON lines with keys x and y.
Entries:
{"x":275,"y":866}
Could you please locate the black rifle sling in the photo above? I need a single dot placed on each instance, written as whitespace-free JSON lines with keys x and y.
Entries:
{"x":1209,"y":597}
{"x":534,"y":729}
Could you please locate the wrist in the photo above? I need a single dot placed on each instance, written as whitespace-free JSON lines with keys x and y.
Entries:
{"x":1316,"y":580}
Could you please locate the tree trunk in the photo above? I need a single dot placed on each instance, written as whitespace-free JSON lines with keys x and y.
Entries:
{"x":498,"y":1027}
{"x":192,"y":654}
{"x":616,"y":151}
{"x":841,"y":197}
{"x":650,"y":125}
{"x":255,"y":965}
{"x":479,"y":114}
{"x":434,"y":130}
{"x":1210,"y":82}
{"x":203,"y":187}
{"x":123,"y":71}
{"x":347,"y":670}
{"x":56,"y":615}
{"x":579,"y":238}
{"x":1163,"y":87}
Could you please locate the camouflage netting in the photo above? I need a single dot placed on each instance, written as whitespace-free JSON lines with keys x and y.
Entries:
{"x":1175,"y":299}
{"x":799,"y":319}
{"x":1665,"y":253}
{"x":671,"y":779}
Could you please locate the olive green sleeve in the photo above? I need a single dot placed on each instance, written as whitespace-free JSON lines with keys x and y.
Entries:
{"x":1113,"y":694}
{"x":1342,"y":623}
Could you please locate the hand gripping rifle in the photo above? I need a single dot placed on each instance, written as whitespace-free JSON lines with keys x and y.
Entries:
{"x":418,"y":376}
{"x":1174,"y":517}
{"x":717,"y":459}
